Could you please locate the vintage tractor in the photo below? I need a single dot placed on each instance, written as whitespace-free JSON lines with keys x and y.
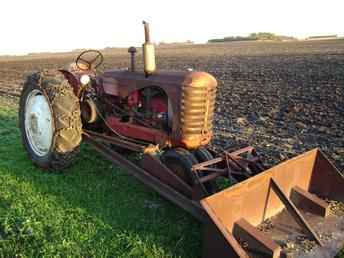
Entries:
{"x":167,"y":117}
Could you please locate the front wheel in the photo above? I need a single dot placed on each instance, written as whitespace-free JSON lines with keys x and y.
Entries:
{"x":203,"y":155}
{"x":50,"y":121}
{"x":180,"y":162}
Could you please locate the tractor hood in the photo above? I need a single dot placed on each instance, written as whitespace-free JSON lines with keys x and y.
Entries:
{"x":122,"y":83}
{"x":191,"y":97}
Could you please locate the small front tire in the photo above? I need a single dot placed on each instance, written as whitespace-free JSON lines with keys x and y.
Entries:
{"x":203,"y":155}
{"x":180,"y":162}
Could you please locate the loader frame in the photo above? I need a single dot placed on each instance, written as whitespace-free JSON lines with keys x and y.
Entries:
{"x":224,"y":238}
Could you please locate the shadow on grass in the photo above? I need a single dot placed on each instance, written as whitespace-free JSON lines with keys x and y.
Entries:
{"x":94,"y":206}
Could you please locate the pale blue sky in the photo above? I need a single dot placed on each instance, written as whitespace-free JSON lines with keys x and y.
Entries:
{"x":43,"y":25}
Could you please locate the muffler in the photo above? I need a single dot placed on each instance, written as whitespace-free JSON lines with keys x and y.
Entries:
{"x":148,"y":53}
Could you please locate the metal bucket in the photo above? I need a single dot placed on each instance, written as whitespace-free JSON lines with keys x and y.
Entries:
{"x":298,"y":186}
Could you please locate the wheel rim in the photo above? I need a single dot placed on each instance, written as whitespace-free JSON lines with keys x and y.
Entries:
{"x":38,"y":123}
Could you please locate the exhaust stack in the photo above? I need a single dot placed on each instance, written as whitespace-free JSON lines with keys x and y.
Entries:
{"x":148,"y":53}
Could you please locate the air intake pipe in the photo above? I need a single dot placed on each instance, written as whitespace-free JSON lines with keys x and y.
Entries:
{"x":148,"y":53}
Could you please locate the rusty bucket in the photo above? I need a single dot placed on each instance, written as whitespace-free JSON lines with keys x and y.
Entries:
{"x":293,"y":198}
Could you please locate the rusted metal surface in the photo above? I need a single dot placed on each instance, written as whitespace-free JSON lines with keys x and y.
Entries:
{"x":239,"y":161}
{"x":291,"y":208}
{"x":309,"y":202}
{"x":237,"y":165}
{"x":301,"y":171}
{"x":147,"y":34}
{"x":136,"y":131}
{"x":211,"y":176}
{"x":153,"y":166}
{"x":216,"y":245}
{"x":226,"y":241}
{"x":116,"y":141}
{"x":255,"y":241}
{"x":326,"y":181}
{"x":256,"y":199}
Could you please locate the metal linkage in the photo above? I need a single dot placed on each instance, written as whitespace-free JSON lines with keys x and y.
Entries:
{"x":156,"y":184}
{"x":242,"y":163}
{"x":115,"y":140}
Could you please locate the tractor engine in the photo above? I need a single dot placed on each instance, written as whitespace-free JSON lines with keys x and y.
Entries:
{"x":149,"y":106}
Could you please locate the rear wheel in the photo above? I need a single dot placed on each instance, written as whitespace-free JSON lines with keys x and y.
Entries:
{"x":50,"y":121}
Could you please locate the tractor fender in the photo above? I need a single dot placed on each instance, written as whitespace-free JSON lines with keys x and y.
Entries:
{"x":72,"y":80}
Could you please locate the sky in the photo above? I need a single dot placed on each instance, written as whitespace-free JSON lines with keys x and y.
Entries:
{"x":63,"y":25}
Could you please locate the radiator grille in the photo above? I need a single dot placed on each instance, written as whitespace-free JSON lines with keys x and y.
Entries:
{"x":197,"y":111}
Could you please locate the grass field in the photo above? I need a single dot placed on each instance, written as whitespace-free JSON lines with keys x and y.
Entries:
{"x":91,"y":210}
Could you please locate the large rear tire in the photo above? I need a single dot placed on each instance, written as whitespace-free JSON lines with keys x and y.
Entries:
{"x":50,"y":121}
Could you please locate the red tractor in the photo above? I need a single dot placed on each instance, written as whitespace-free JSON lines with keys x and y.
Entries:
{"x":167,"y":117}
{"x":166,"y":112}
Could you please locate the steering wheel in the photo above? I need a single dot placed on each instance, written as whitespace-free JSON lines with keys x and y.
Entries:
{"x":89,"y":59}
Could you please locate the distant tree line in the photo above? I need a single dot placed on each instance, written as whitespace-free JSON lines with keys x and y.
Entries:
{"x":252,"y":36}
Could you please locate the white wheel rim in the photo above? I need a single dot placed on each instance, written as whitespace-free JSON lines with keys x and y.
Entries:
{"x":38,"y":123}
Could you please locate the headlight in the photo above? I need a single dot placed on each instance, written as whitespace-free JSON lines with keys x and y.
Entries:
{"x":85,"y":79}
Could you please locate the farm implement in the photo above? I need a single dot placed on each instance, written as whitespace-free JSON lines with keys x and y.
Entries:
{"x":166,"y":118}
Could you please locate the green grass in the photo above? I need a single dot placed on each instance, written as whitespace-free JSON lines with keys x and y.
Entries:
{"x":90,"y":210}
